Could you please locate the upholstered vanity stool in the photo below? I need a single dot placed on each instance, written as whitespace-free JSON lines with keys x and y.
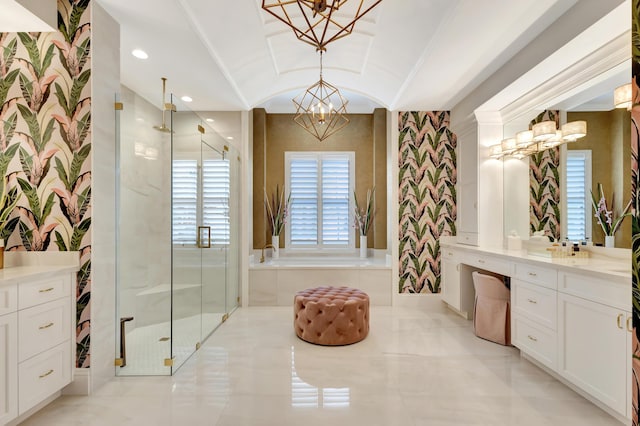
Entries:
{"x":331,"y":315}
{"x":492,"y":309}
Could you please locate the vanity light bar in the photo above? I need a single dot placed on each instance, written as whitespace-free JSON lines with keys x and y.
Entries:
{"x":543,"y":136}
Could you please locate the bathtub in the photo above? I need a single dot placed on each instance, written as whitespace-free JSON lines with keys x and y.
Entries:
{"x":276,"y":281}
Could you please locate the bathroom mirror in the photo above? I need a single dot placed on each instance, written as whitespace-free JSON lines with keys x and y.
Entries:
{"x":603,"y":156}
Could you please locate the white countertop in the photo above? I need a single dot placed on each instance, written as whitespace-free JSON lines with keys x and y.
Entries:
{"x":19,"y":273}
{"x":613,"y":268}
{"x":36,"y":265}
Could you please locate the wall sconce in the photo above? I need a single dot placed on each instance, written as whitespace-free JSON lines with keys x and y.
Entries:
{"x":574,"y":130}
{"x":544,"y":130}
{"x":552,"y":142}
{"x":524,"y":139}
{"x":622,"y":96}
{"x":508,"y":146}
{"x":495,"y":151}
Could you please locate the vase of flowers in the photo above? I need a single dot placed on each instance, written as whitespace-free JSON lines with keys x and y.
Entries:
{"x":363,"y":218}
{"x":605,"y":216}
{"x":277,"y":207}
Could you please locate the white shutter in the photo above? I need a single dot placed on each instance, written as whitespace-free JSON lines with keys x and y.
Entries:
{"x":215,"y":199}
{"x":185,"y":201}
{"x":321,"y":186}
{"x":335,"y":201}
{"x":579,"y":209}
{"x":303,"y":176}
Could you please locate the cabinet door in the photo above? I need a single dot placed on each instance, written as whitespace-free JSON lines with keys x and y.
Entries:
{"x":451,"y":283}
{"x":8,"y":367}
{"x":593,"y":349}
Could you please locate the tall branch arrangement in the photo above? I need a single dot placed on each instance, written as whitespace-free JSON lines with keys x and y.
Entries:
{"x":363,"y":216}
{"x":277,"y":209}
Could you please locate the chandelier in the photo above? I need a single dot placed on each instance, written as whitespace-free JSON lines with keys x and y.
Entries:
{"x":321,"y":110}
{"x":319,"y":22}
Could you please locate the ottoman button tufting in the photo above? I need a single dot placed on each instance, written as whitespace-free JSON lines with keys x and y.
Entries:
{"x":320,"y":311}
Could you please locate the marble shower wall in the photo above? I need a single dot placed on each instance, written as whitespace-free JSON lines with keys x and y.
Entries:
{"x":427,"y":197}
{"x":46,"y":143}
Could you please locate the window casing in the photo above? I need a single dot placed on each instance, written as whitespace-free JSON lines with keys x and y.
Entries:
{"x":321,"y":212}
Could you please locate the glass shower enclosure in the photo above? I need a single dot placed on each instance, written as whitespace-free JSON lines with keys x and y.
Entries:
{"x":177,"y":251}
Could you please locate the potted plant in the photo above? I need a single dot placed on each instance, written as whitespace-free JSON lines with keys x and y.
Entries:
{"x":363,"y":218}
{"x":607,"y":221}
{"x":277,"y":210}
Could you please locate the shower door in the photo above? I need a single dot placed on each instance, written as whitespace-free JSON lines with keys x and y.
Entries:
{"x":214,"y":229}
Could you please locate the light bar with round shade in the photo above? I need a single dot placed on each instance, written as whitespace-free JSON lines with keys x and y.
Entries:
{"x":574,"y":130}
{"x":552,"y":142}
{"x":544,"y":130}
{"x":495,"y":151}
{"x":508,"y":145}
{"x":622,"y":96}
{"x":524,"y":139}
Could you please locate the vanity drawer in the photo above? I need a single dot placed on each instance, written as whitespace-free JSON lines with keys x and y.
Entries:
{"x":544,"y":276}
{"x":8,"y":298}
{"x":37,"y":292}
{"x":535,"y":340}
{"x":43,"y":375}
{"x":487,"y":263}
{"x":609,"y":293}
{"x":43,"y":327}
{"x":448,"y":253}
{"x":535,"y":303}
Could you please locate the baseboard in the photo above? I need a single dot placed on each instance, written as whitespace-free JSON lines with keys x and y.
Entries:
{"x":81,"y":384}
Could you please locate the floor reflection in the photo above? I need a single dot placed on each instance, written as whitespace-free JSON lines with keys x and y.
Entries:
{"x":306,"y":395}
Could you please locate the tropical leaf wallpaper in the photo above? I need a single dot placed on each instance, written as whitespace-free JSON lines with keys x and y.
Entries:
{"x":428,"y":174}
{"x":544,"y":185}
{"x":635,"y":213}
{"x":45,"y":141}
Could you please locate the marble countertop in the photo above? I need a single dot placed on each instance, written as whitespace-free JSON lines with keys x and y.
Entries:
{"x":18,"y":273}
{"x":37,"y":265}
{"x":616,"y":267}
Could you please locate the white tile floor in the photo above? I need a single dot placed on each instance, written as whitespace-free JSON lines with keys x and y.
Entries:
{"x":415,"y":368}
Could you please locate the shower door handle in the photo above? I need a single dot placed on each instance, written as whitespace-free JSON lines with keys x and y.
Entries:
{"x":200,"y":239}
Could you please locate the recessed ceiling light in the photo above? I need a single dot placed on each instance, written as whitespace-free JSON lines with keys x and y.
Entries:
{"x":210,"y":120}
{"x":139,"y":53}
{"x":186,"y":99}
{"x":230,"y":138}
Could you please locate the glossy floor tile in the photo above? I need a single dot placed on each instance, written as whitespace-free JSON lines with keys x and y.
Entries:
{"x":415,"y":368}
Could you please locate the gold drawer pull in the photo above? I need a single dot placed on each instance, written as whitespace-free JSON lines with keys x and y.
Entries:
{"x":450,"y":254}
{"x":533,"y":274}
{"x":42,"y":327}
{"x":630,"y":324}
{"x":46,"y":290}
{"x":533,"y":339}
{"x":620,"y":316}
{"x":535,"y":302}
{"x":48,"y":373}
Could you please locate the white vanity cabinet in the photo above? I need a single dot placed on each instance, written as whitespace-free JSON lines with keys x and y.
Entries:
{"x":594,"y":319}
{"x":37,"y":336}
{"x":8,"y":356}
{"x":450,"y":281}
{"x":534,"y":312}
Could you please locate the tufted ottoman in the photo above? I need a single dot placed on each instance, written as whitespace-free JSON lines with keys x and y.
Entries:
{"x":331,"y":315}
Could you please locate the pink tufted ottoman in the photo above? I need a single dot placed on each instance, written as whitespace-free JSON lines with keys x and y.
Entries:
{"x":331,"y":315}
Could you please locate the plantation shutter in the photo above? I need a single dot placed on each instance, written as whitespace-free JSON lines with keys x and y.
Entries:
{"x":321,"y":185}
{"x":185,"y":201}
{"x":579,"y":208}
{"x":304,"y":206}
{"x":335,"y":201}
{"x":215,"y":199}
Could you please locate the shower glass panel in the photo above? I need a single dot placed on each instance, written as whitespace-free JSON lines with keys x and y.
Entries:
{"x":177,"y":235}
{"x":144,"y":237}
{"x":214,"y":226}
{"x":188,"y":237}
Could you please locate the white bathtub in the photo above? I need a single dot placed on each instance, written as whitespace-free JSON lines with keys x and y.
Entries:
{"x":276,"y":281}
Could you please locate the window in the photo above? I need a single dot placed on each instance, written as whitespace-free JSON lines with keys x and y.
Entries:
{"x":200,"y":199}
{"x":321,"y":184}
{"x":578,"y":195}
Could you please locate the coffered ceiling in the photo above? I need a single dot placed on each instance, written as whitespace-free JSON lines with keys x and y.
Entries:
{"x":405,"y":54}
